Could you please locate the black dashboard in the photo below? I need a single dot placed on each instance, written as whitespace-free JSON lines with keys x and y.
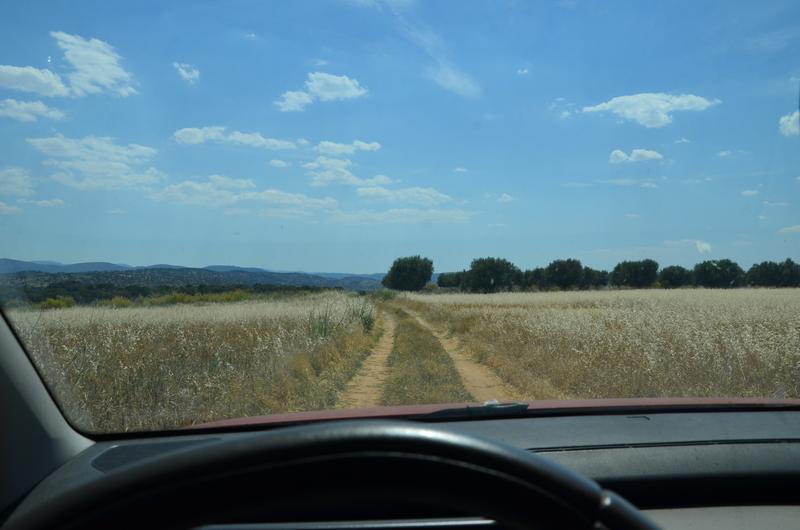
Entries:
{"x":702,"y":469}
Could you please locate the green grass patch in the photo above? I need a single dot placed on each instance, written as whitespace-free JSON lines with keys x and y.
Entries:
{"x":420,"y":371}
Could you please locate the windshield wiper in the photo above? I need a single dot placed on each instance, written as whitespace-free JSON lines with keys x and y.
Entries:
{"x":489,"y":409}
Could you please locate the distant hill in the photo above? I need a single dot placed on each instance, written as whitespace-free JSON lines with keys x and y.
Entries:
{"x":375,"y":276}
{"x":13,"y":265}
{"x":16,"y":272}
{"x":229,"y":268}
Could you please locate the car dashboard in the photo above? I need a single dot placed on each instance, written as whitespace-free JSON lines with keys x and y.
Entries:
{"x":687,"y":469}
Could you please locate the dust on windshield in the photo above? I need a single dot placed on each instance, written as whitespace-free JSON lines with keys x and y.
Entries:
{"x":217,"y":211}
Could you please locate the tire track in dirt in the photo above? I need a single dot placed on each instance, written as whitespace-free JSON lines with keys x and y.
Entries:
{"x":365,"y":389}
{"x":478,"y":379}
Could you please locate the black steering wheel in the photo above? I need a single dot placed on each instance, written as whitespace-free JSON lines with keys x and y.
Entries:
{"x":343,"y":471}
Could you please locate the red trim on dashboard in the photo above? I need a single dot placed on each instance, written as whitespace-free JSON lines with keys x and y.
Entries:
{"x":592,"y":405}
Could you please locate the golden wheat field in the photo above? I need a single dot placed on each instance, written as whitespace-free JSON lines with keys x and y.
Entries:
{"x":144,"y":367}
{"x":653,"y":343}
{"x":165,"y":367}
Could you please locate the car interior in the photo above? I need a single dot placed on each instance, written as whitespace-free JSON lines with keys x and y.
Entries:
{"x":715,"y":465}
{"x":399,"y":265}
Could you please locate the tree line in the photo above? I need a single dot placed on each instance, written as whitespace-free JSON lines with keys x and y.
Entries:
{"x":487,"y":275}
{"x":72,"y":292}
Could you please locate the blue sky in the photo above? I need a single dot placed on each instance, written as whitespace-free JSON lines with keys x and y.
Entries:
{"x":337,"y":136}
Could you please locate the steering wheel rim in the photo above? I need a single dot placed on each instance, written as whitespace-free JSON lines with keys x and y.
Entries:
{"x":305,"y":470}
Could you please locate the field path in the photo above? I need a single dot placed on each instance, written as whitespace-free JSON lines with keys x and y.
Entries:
{"x":365,"y":389}
{"x":479,"y":380}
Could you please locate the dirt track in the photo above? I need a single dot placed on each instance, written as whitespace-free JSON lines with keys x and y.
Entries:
{"x":365,"y":389}
{"x":479,"y":380}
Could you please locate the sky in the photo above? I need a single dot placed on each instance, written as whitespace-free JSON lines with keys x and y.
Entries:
{"x":337,"y":136}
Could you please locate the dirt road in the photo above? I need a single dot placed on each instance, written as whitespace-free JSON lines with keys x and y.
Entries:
{"x":365,"y":389}
{"x":479,"y":380}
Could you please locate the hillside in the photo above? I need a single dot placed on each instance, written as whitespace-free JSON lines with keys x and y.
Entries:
{"x":15,"y":272}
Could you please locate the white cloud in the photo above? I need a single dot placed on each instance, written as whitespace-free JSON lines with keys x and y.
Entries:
{"x":294,"y":101}
{"x":188,"y":73}
{"x":328,"y":87}
{"x":618,"y":156}
{"x":454,"y":80}
{"x":442,"y":72}
{"x":724,"y":154}
{"x":196,"y":193}
{"x":228,"y":183}
{"x":302,"y":141}
{"x":194,"y":136}
{"x":682,"y":140}
{"x":333,"y":148}
{"x":94,"y":69}
{"x":460,"y":170}
{"x":44,"y":203}
{"x":761,"y":217}
{"x":505,"y":198}
{"x":279,"y":163}
{"x":28,"y":110}
{"x":779,"y":204}
{"x":795,"y":229}
{"x":700,"y":246}
{"x":789,"y":125}
{"x":7,"y":209}
{"x":320,"y":86}
{"x":416,"y":195}
{"x":522,"y":71}
{"x":15,"y":181}
{"x":403,"y":216}
{"x":256,"y":140}
{"x":219,"y":191}
{"x":97,"y":162}
{"x":652,"y":109}
{"x":95,"y":64}
{"x":30,"y":79}
{"x":325,"y":171}
{"x":749,"y":193}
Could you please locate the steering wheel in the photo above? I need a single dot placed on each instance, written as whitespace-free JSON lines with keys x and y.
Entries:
{"x":342,"y":471}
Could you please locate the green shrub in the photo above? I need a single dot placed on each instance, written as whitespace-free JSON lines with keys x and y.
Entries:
{"x":120,"y":301}
{"x":59,"y":302}
{"x":384,"y":294}
{"x":364,"y":312}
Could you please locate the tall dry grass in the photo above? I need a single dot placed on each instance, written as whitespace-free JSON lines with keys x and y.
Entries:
{"x":144,"y":368}
{"x":653,"y":343}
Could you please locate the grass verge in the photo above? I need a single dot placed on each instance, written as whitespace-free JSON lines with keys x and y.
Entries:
{"x":420,"y":371}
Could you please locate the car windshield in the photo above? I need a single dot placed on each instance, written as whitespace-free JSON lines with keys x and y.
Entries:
{"x":221,"y":210}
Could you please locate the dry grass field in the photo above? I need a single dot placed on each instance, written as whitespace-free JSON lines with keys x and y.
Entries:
{"x":144,"y":368}
{"x":654,"y":343}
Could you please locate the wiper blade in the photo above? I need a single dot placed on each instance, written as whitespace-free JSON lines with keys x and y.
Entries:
{"x":490,"y":409}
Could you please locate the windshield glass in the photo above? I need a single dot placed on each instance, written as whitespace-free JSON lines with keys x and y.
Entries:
{"x":216,"y":210}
